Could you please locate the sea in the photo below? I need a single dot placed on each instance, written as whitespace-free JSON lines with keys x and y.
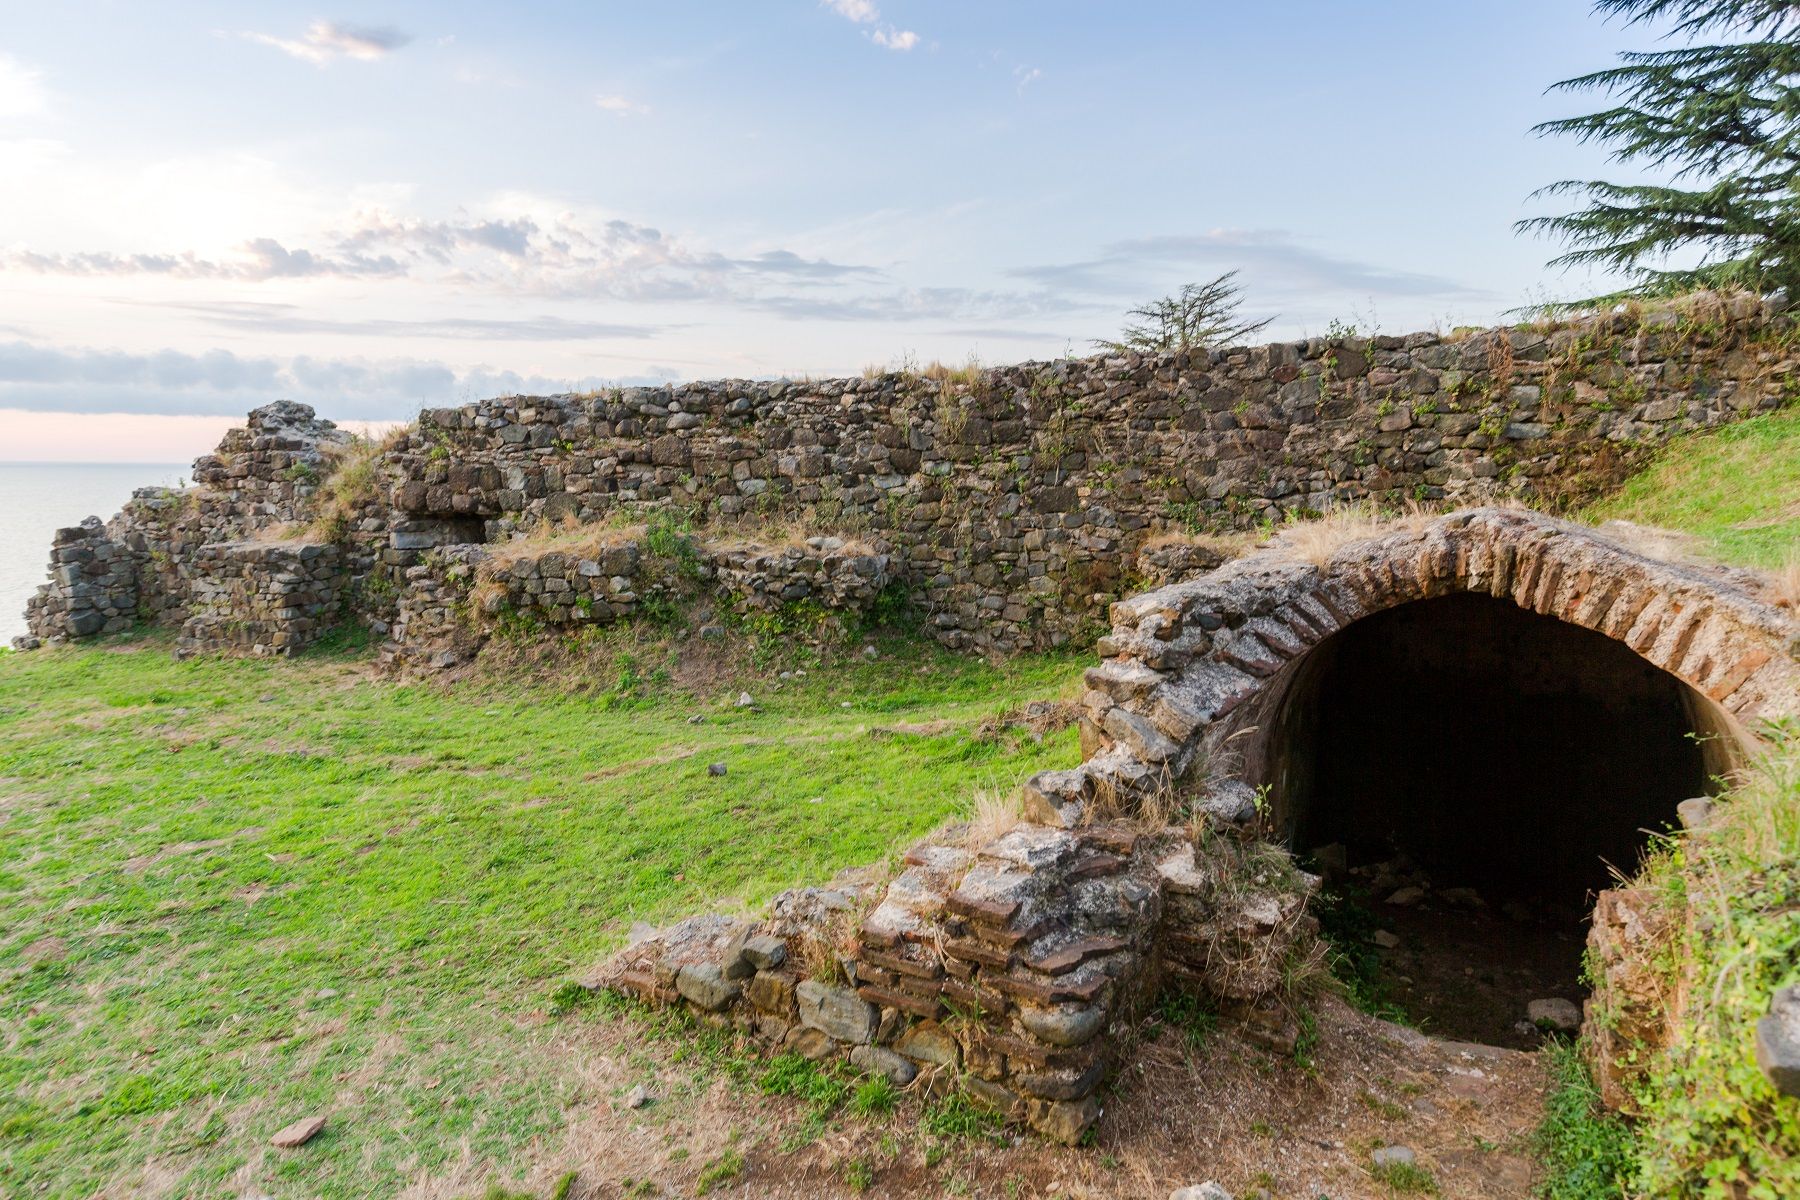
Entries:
{"x":36,"y":499}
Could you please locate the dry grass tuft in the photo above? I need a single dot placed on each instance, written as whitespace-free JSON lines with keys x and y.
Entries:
{"x":1225,"y":545}
{"x":568,"y":536}
{"x":1648,"y":541}
{"x":996,"y":814}
{"x":969,"y":372}
{"x":1784,"y":585}
{"x":822,"y":949}
{"x":1318,"y":541}
{"x":353,"y":481}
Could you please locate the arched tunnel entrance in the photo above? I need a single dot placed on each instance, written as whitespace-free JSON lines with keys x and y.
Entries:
{"x":1468,"y":774}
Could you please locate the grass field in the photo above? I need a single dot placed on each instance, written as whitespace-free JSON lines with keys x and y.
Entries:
{"x":1737,"y":489}
{"x":238,"y":893}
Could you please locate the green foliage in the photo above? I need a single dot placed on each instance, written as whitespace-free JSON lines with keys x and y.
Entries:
{"x":1306,"y":1044}
{"x":1719,"y":122}
{"x":859,"y":1175}
{"x":874,"y":1097}
{"x":568,"y":997}
{"x":800,"y":1077}
{"x":1586,"y":1151}
{"x":1347,"y":924}
{"x":1712,"y":1125}
{"x":1198,"y":317}
{"x":668,"y":534}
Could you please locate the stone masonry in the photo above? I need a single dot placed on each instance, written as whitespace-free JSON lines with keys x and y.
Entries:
{"x":1012,"y":504}
{"x":261,"y":598}
{"x":1011,"y":970}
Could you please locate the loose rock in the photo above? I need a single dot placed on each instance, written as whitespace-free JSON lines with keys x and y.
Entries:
{"x":1557,"y":1014}
{"x":1778,"y":1042}
{"x":1201,"y":1191}
{"x":299,"y":1133}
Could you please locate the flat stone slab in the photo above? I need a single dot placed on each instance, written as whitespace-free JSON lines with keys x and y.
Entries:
{"x":299,"y":1133}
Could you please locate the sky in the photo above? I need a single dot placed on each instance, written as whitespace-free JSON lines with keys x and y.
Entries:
{"x":378,"y":207}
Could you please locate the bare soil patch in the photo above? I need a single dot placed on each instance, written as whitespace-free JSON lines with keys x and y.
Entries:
{"x":1228,"y":1111}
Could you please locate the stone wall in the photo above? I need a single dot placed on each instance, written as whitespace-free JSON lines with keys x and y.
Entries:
{"x":1013,"y":971}
{"x":460,"y":597}
{"x":262,"y":598}
{"x":1014,"y":501}
{"x":1013,"y":504}
{"x":167,"y":557}
{"x":93,"y":586}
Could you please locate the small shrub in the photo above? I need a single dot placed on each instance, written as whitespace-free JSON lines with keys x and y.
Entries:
{"x":1189,"y":1016}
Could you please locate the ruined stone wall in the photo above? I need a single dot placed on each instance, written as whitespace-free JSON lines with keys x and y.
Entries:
{"x":262,"y":598}
{"x":1015,"y":501}
{"x":93,"y":587}
{"x":1012,"y":971}
{"x":461,"y":596}
{"x":161,"y":560}
{"x":1012,"y":504}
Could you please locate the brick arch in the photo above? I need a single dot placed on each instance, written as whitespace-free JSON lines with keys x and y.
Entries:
{"x":1194,"y":672}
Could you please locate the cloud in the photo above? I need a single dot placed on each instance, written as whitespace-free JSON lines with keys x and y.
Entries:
{"x":22,"y":92}
{"x":861,"y":11}
{"x":622,"y":106}
{"x":560,"y":255}
{"x":1276,"y":266}
{"x":290,"y":318}
{"x":1024,"y":77}
{"x":925,"y":304}
{"x":218,"y":382}
{"x":865,"y":12}
{"x":260,"y":260}
{"x":325,"y":41}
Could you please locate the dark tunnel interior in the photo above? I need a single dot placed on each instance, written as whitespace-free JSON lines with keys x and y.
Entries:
{"x":1499,"y":749}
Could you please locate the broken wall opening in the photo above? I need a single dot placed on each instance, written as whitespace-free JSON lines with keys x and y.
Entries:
{"x":425,"y":531}
{"x":1506,"y":761}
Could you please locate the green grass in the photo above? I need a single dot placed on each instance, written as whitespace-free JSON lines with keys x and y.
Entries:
{"x":1405,"y":1179}
{"x":1736,"y":488}
{"x":242,"y":892}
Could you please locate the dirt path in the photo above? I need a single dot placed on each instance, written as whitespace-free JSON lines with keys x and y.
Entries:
{"x":1230,"y":1112}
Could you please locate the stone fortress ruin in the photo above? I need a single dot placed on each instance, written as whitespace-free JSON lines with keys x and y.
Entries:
{"x":1517,"y":695}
